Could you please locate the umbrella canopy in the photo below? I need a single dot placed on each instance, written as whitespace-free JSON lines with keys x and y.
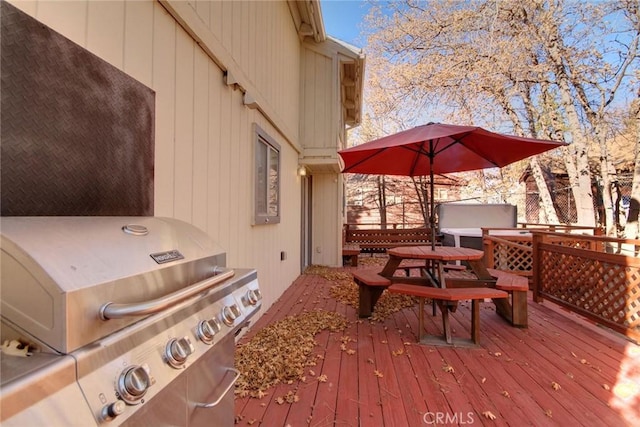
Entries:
{"x":440,"y":148}
{"x":437,"y":148}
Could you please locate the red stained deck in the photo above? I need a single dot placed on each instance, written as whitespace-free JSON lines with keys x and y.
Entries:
{"x":391,"y":380}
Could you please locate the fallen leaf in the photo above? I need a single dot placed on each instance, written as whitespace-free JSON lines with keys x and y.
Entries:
{"x":378,"y":373}
{"x":555,"y":385}
{"x":606,"y":387}
{"x":583,"y":361}
{"x":489,"y":415}
{"x":351,"y":352}
{"x":548,"y":413}
{"x":370,"y":361}
{"x":281,"y":352}
{"x":505,"y":393}
{"x":484,"y":380}
{"x":279,"y":400}
{"x":574,"y":355}
{"x":322,"y":378}
{"x":448,"y":368}
{"x":497,"y":354}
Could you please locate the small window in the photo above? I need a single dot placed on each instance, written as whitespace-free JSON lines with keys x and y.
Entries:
{"x":267,"y":182}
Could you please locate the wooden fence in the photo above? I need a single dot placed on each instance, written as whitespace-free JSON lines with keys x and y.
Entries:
{"x":595,"y":276}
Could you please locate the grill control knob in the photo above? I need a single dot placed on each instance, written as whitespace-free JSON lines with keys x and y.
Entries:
{"x":230,"y":313}
{"x":253,"y":296}
{"x":109,"y":412}
{"x":207,"y":329}
{"x":177,"y":351}
{"x":133,"y":384}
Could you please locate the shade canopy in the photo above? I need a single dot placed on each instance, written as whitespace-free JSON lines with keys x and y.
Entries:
{"x":437,"y":148}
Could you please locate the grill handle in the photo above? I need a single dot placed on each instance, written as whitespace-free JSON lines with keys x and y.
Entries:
{"x":224,"y":393}
{"x":112,"y":310}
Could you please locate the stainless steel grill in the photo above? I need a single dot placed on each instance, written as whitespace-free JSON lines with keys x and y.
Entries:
{"x":134,"y":316}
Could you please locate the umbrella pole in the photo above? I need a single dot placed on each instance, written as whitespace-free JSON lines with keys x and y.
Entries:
{"x":432,"y":219}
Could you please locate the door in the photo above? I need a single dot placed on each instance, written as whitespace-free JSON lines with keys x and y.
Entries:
{"x":305,"y":222}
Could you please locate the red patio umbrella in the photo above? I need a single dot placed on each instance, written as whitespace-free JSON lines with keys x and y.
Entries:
{"x":437,"y":148}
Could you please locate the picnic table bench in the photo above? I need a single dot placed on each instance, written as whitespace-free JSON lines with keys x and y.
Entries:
{"x":513,"y":309}
{"x":371,"y":285}
{"x":351,"y":252}
{"x":441,"y":297}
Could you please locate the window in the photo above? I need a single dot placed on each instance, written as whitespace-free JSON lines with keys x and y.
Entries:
{"x":267,"y":182}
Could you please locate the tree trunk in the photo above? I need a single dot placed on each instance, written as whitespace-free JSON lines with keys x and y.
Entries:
{"x":608,"y":178}
{"x":423,"y":197}
{"x":632,"y":228}
{"x":382,"y":198}
{"x":546,"y":204}
{"x":581,"y":182}
{"x":580,"y":177}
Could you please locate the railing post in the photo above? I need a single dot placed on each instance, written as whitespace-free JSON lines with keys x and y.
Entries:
{"x":488,"y":246}
{"x":536,"y":266}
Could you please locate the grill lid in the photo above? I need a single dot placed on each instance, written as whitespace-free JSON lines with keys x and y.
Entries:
{"x":57,"y":272}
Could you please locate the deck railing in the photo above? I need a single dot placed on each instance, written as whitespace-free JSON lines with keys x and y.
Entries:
{"x":595,"y":276}
{"x":510,"y":249}
{"x":381,"y":226}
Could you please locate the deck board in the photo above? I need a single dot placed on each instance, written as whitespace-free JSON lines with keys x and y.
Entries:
{"x":585,"y":360}
{"x":391,"y":394}
{"x":346,"y":409}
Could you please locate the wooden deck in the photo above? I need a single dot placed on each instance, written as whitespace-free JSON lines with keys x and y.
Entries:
{"x":559,"y":371}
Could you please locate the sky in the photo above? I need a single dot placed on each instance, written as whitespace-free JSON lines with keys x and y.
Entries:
{"x":343,"y":18}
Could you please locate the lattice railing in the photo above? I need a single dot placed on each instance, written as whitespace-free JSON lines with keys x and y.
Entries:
{"x":508,"y":253}
{"x":580,"y":273}
{"x":510,"y":249}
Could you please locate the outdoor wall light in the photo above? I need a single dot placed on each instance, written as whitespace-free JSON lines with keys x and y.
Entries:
{"x":302,"y":171}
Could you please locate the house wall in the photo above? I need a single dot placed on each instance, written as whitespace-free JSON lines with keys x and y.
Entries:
{"x":320,"y":127}
{"x":322,"y":134}
{"x":203,"y":136}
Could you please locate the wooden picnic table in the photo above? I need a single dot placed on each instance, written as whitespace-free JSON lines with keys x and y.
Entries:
{"x":436,"y":258}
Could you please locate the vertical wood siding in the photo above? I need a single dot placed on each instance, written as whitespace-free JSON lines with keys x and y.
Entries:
{"x":203,"y":136}
{"x":319,"y":118}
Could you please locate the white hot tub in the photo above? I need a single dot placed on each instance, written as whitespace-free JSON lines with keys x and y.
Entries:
{"x":461,"y":223}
